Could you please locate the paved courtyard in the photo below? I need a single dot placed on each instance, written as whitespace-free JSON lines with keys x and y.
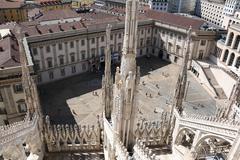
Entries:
{"x":72,"y":100}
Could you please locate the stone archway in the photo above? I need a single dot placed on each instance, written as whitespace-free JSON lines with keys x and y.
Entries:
{"x":185,"y":138}
{"x":212,"y":146}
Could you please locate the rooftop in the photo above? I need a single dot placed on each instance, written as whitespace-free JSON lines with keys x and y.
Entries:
{"x":9,"y":52}
{"x":98,"y":17}
{"x":5,"y":4}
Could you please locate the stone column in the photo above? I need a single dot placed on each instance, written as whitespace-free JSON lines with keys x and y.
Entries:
{"x":66,"y":52}
{"x":235,"y":61}
{"x":238,"y":48}
{"x":222,"y":55}
{"x":42,"y":58}
{"x":234,"y":41}
{"x":77,"y":50}
{"x":228,"y":59}
{"x":54,"y":55}
{"x":227,"y":39}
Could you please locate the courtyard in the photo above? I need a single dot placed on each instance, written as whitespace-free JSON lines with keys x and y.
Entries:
{"x":78,"y":99}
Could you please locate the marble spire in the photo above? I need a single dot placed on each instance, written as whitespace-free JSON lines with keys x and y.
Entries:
{"x":107,"y":80}
{"x":128,"y":62}
{"x":182,"y":78}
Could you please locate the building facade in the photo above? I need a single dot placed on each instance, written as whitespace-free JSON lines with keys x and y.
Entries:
{"x":182,"y":6}
{"x":81,"y":50}
{"x":12,"y":11}
{"x":231,"y":19}
{"x":228,"y":50}
{"x":12,"y":97}
{"x":211,"y":11}
{"x":158,"y":5}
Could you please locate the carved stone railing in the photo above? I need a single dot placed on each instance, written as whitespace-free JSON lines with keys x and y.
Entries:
{"x":12,"y":132}
{"x":213,"y":125}
{"x":121,"y":150}
{"x":154,"y":133}
{"x":141,"y":152}
{"x":72,"y":137}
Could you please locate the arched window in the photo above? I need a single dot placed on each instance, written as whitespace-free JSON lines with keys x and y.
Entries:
{"x":237,"y":63}
{"x":231,"y":59}
{"x":230,"y":39}
{"x":225,"y":56}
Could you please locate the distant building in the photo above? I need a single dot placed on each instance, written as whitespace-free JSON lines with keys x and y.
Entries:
{"x":12,"y":11}
{"x":211,"y":11}
{"x":228,"y":50}
{"x":182,"y":6}
{"x":12,"y":97}
{"x":158,"y":5}
{"x":231,"y":19}
{"x":219,"y":12}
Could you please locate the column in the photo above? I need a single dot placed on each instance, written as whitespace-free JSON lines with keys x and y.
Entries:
{"x":235,"y":60}
{"x":238,"y":48}
{"x":234,"y":41}
{"x":222,"y":55}
{"x":228,"y":59}
{"x":227,"y":39}
{"x":42,"y":58}
{"x":77,"y":50}
{"x":66,"y":52}
{"x":54,"y":55}
{"x":195,"y":141}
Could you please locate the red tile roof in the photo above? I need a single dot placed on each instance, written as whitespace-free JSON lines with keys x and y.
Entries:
{"x":9,"y":52}
{"x":93,"y":19}
{"x":4,"y":4}
{"x":175,"y":20}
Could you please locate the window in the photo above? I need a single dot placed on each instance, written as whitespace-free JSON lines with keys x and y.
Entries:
{"x":203,"y":42}
{"x":22,"y":106}
{"x":73,"y":69}
{"x":71,"y":44}
{"x":119,"y":35}
{"x":83,"y":66}
{"x":51,"y":75}
{"x":48,"y":49}
{"x":141,"y":42}
{"x":1,"y":98}
{"x":102,"y":39}
{"x":72,"y":55}
{"x":61,"y":60}
{"x":141,"y":52}
{"x":34,"y":51}
{"x":60,"y":46}
{"x":37,"y":65}
{"x":149,"y":30}
{"x":119,"y":47}
{"x":102,"y":51}
{"x":93,"y":40}
{"x":142,"y":31}
{"x":83,"y":55}
{"x":82,"y":42}
{"x":39,"y":78}
{"x":111,"y":37}
{"x":200,"y":56}
{"x":49,"y":62}
{"x":175,"y":59}
{"x":93,"y":52}
{"x":18,"y":88}
{"x":179,"y":38}
{"x":62,"y":71}
{"x":148,"y":41}
{"x":111,"y":48}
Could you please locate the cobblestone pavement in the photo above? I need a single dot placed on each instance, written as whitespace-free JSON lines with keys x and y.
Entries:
{"x":72,"y":100}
